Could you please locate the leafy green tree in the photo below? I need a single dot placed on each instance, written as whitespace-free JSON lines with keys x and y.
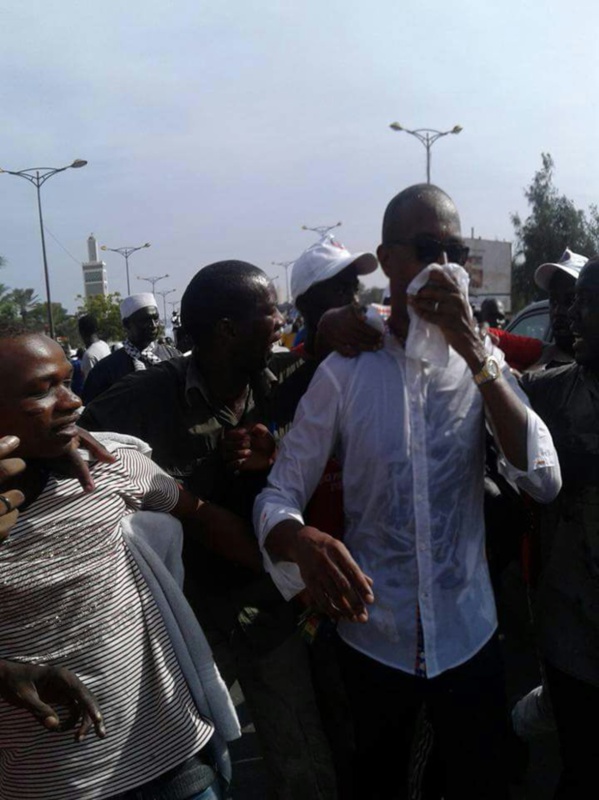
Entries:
{"x":553,"y":224}
{"x":7,"y":309}
{"x":65,"y":324}
{"x":24,"y":300}
{"x":106,"y":310}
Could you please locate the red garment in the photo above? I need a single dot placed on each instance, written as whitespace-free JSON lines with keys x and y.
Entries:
{"x":521,"y":352}
{"x":300,"y":350}
{"x":325,"y":509}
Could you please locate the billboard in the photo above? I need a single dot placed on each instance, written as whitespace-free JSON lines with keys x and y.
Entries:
{"x":490,"y":268}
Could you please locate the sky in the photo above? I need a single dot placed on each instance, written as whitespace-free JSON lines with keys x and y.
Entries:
{"x":216,"y":130}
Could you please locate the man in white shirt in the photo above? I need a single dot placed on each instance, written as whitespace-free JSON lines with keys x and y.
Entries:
{"x":96,"y":348}
{"x":412,"y":568}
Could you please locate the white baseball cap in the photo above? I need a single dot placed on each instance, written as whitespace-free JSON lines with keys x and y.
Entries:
{"x":323,"y":260}
{"x":570,"y":263}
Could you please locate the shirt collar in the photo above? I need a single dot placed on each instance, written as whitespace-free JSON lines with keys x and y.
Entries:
{"x":261,"y":384}
{"x":194,"y":382}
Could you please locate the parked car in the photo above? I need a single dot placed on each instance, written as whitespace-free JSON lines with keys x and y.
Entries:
{"x":533,"y":321}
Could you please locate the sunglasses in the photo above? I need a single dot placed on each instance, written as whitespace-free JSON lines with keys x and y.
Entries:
{"x":429,"y":250}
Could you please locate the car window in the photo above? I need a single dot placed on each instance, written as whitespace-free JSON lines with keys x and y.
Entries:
{"x":534,"y":324}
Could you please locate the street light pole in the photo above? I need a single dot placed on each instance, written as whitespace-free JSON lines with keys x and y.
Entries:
{"x":428,"y":136}
{"x":125,"y":252}
{"x":153,"y":279}
{"x":322,"y":229}
{"x":286,"y":265}
{"x":38,"y":176}
{"x":164,"y":293}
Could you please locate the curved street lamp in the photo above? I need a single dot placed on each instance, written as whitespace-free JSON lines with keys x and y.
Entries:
{"x":38,"y":176}
{"x":428,"y":136}
{"x":153,"y":279}
{"x":321,"y":229}
{"x":285,"y":265}
{"x":164,"y":293}
{"x":125,"y":252}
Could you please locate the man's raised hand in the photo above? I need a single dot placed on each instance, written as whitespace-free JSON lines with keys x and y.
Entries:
{"x":10,"y":499}
{"x":74,"y":466}
{"x":249,"y":449}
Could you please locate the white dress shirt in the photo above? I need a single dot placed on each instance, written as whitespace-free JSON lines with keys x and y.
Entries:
{"x":411,"y":441}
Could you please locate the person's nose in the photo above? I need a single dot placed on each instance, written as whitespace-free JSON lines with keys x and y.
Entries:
{"x":279,"y":321}
{"x":67,"y":400}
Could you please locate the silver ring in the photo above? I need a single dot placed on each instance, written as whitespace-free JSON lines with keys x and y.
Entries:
{"x":436,"y":307}
{"x":9,"y":506}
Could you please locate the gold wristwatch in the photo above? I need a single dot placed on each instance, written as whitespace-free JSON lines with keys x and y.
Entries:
{"x":489,"y":371}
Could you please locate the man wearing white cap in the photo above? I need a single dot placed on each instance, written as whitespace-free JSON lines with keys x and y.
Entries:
{"x":567,"y":596}
{"x":139,"y":314}
{"x":325,"y":276}
{"x":558,"y":279}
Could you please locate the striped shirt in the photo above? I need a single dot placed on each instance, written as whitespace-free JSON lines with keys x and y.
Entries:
{"x":72,"y":595}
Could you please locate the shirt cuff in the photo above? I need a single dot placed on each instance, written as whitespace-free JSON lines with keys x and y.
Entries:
{"x":286,"y":575}
{"x":542,"y":480}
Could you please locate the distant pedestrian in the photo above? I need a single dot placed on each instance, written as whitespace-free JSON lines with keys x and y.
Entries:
{"x":96,"y":348}
{"x":140,"y":350}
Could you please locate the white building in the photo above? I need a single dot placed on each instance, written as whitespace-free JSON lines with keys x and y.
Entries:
{"x":490,"y":269}
{"x":95,"y":280}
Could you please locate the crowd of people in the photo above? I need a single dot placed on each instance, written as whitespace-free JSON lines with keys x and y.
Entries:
{"x":317,"y":523}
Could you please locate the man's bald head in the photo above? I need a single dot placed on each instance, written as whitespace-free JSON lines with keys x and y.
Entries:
{"x":421,"y":226}
{"x":417,"y":208}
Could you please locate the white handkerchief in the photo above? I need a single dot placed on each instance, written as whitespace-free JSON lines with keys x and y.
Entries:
{"x":425,"y":340}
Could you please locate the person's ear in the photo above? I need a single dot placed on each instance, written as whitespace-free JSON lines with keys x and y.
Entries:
{"x":226,"y":329}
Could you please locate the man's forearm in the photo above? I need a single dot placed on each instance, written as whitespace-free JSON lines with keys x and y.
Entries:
{"x":510,"y":423}
{"x":506,"y":410}
{"x":221,"y":531}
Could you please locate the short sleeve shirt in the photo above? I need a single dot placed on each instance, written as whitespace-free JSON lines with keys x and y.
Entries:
{"x":72,"y":595}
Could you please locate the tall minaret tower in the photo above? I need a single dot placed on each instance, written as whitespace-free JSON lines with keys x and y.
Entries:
{"x":94,"y":270}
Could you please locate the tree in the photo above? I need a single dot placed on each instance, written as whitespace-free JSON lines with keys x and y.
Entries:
{"x":553,"y":224}
{"x":373,"y":295}
{"x":7,"y":309}
{"x":106,"y":310}
{"x":65,"y":324}
{"x":24,"y":300}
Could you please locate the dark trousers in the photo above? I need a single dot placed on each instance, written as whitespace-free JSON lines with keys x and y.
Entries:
{"x":576,"y":710}
{"x":466,"y":707}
